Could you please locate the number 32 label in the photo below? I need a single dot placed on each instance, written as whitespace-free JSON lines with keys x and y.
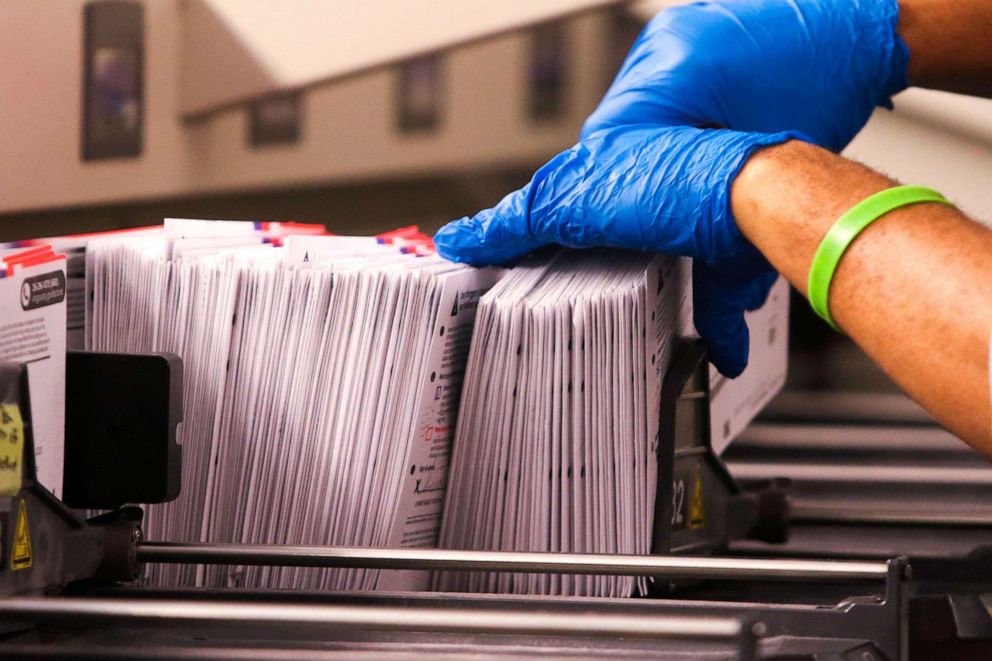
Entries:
{"x":687,"y":500}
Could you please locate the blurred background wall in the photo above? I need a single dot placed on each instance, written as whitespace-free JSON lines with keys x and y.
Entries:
{"x":490,"y":111}
{"x":497,"y":107}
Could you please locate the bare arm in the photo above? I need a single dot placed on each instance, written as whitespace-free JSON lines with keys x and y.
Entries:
{"x":914,"y":289}
{"x":950,"y":44}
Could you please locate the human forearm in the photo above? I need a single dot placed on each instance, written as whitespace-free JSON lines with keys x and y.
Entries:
{"x":949,"y":44}
{"x":914,"y":289}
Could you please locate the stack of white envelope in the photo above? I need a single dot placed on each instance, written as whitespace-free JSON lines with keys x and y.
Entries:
{"x":555,"y":448}
{"x":322,"y":379}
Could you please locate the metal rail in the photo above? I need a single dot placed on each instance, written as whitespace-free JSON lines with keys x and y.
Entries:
{"x":787,"y":438}
{"x":840,"y":513}
{"x":379,"y":618}
{"x":669,"y":567}
{"x":839,"y":473}
{"x":846,"y":407}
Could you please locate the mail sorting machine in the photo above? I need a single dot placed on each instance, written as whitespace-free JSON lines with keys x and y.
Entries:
{"x":871,"y":474}
{"x":738,"y":596}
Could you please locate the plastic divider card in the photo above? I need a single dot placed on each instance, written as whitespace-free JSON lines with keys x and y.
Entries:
{"x":322,"y":378}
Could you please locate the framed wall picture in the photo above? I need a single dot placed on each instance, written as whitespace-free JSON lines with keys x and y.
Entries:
{"x":419,"y":94}
{"x":548,"y":84}
{"x":113,"y":79}
{"x":275,"y":120}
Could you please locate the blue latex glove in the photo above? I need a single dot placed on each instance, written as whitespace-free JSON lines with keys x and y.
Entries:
{"x":816,"y":66}
{"x":653,"y":188}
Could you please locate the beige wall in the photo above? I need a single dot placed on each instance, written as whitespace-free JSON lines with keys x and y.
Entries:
{"x":938,"y":140}
{"x":40,"y":101}
{"x":348,"y":128}
{"x":236,"y":49}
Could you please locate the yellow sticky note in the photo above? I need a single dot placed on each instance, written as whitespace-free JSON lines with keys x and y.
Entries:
{"x":11,"y":449}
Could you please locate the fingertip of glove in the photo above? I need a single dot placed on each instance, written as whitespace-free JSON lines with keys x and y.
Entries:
{"x":730,"y":359}
{"x":467,"y":241}
{"x":760,"y":290}
{"x":727,"y":341}
{"x":718,"y":312}
{"x":456,"y":242}
{"x":731,"y":370}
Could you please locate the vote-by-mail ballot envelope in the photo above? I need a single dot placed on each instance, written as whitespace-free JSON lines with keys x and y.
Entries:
{"x":33,"y":332}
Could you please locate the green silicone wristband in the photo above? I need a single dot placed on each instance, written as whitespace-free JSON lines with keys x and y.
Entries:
{"x":847,"y":228}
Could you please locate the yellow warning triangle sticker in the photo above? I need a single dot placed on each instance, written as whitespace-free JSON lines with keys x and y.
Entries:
{"x":696,"y":504}
{"x":20,"y":556}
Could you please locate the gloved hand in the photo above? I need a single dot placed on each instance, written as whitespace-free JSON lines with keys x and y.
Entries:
{"x":815,"y":66}
{"x":663,"y":189}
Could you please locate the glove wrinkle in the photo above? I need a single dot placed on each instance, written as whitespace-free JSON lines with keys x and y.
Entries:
{"x":815,"y":66}
{"x":641,"y":187}
{"x":718,"y":314}
{"x":641,"y":178}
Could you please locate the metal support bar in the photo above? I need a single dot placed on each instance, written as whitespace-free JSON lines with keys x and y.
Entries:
{"x":379,"y":618}
{"x":846,"y":474}
{"x":668,"y":567}
{"x":814,"y":513}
